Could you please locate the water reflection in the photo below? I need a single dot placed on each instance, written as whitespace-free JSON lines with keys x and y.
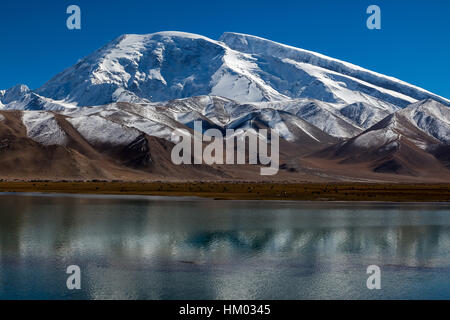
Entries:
{"x":157,"y":249}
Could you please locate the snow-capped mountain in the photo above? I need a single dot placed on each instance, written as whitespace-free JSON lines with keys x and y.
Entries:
{"x":331,"y":79}
{"x":127,"y":99}
{"x":431,"y":117}
{"x":20,"y":97}
{"x":340,"y":98}
{"x":172,"y":65}
{"x":404,"y":142}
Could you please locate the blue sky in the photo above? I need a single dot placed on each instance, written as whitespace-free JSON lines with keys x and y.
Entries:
{"x":413,"y":45}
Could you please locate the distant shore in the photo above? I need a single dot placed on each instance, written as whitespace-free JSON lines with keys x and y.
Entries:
{"x":247,"y":190}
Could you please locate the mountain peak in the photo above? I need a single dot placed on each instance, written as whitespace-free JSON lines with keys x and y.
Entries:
{"x":172,"y":65}
{"x":159,"y":36}
{"x":431,"y":117}
{"x":14,"y":93}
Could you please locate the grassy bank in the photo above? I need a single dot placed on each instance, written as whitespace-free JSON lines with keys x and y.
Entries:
{"x":247,"y":191}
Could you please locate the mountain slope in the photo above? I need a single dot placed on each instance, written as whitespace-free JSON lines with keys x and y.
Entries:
{"x":372,"y":83}
{"x":412,"y":141}
{"x":28,"y":151}
{"x":431,"y":117}
{"x":172,"y":65}
{"x":125,"y":141}
{"x":20,"y":97}
{"x":159,"y":67}
{"x":337,"y":97}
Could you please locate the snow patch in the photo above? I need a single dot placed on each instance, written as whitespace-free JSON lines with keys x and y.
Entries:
{"x":96,"y":129}
{"x":376,"y":138}
{"x":43,"y":128}
{"x":431,"y":117}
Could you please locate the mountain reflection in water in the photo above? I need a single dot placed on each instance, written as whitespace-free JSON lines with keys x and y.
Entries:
{"x":202,"y":249}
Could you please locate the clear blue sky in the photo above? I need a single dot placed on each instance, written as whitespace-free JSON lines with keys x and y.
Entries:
{"x":413,"y":45}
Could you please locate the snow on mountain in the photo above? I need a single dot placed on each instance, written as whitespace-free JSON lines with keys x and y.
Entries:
{"x":218,"y":110}
{"x":20,"y":97}
{"x":159,"y":67}
{"x":173,"y":65}
{"x":122,"y":95}
{"x":126,"y":100}
{"x":431,"y":117}
{"x":159,"y":82}
{"x":98,"y":130}
{"x":119,"y":124}
{"x":147,"y":119}
{"x":385,"y":137}
{"x":222,"y":112}
{"x":423,"y":124}
{"x":324,"y":116}
{"x":2,"y":93}
{"x":338,"y":70}
{"x":404,"y":143}
{"x":43,"y":128}
{"x":226,"y":113}
{"x":289,"y":127}
{"x":366,"y":115}
{"x":15,"y":93}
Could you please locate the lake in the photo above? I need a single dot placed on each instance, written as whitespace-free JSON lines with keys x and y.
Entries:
{"x":188,"y":248}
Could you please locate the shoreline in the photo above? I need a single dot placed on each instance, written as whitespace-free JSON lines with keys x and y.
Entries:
{"x":326,"y":192}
